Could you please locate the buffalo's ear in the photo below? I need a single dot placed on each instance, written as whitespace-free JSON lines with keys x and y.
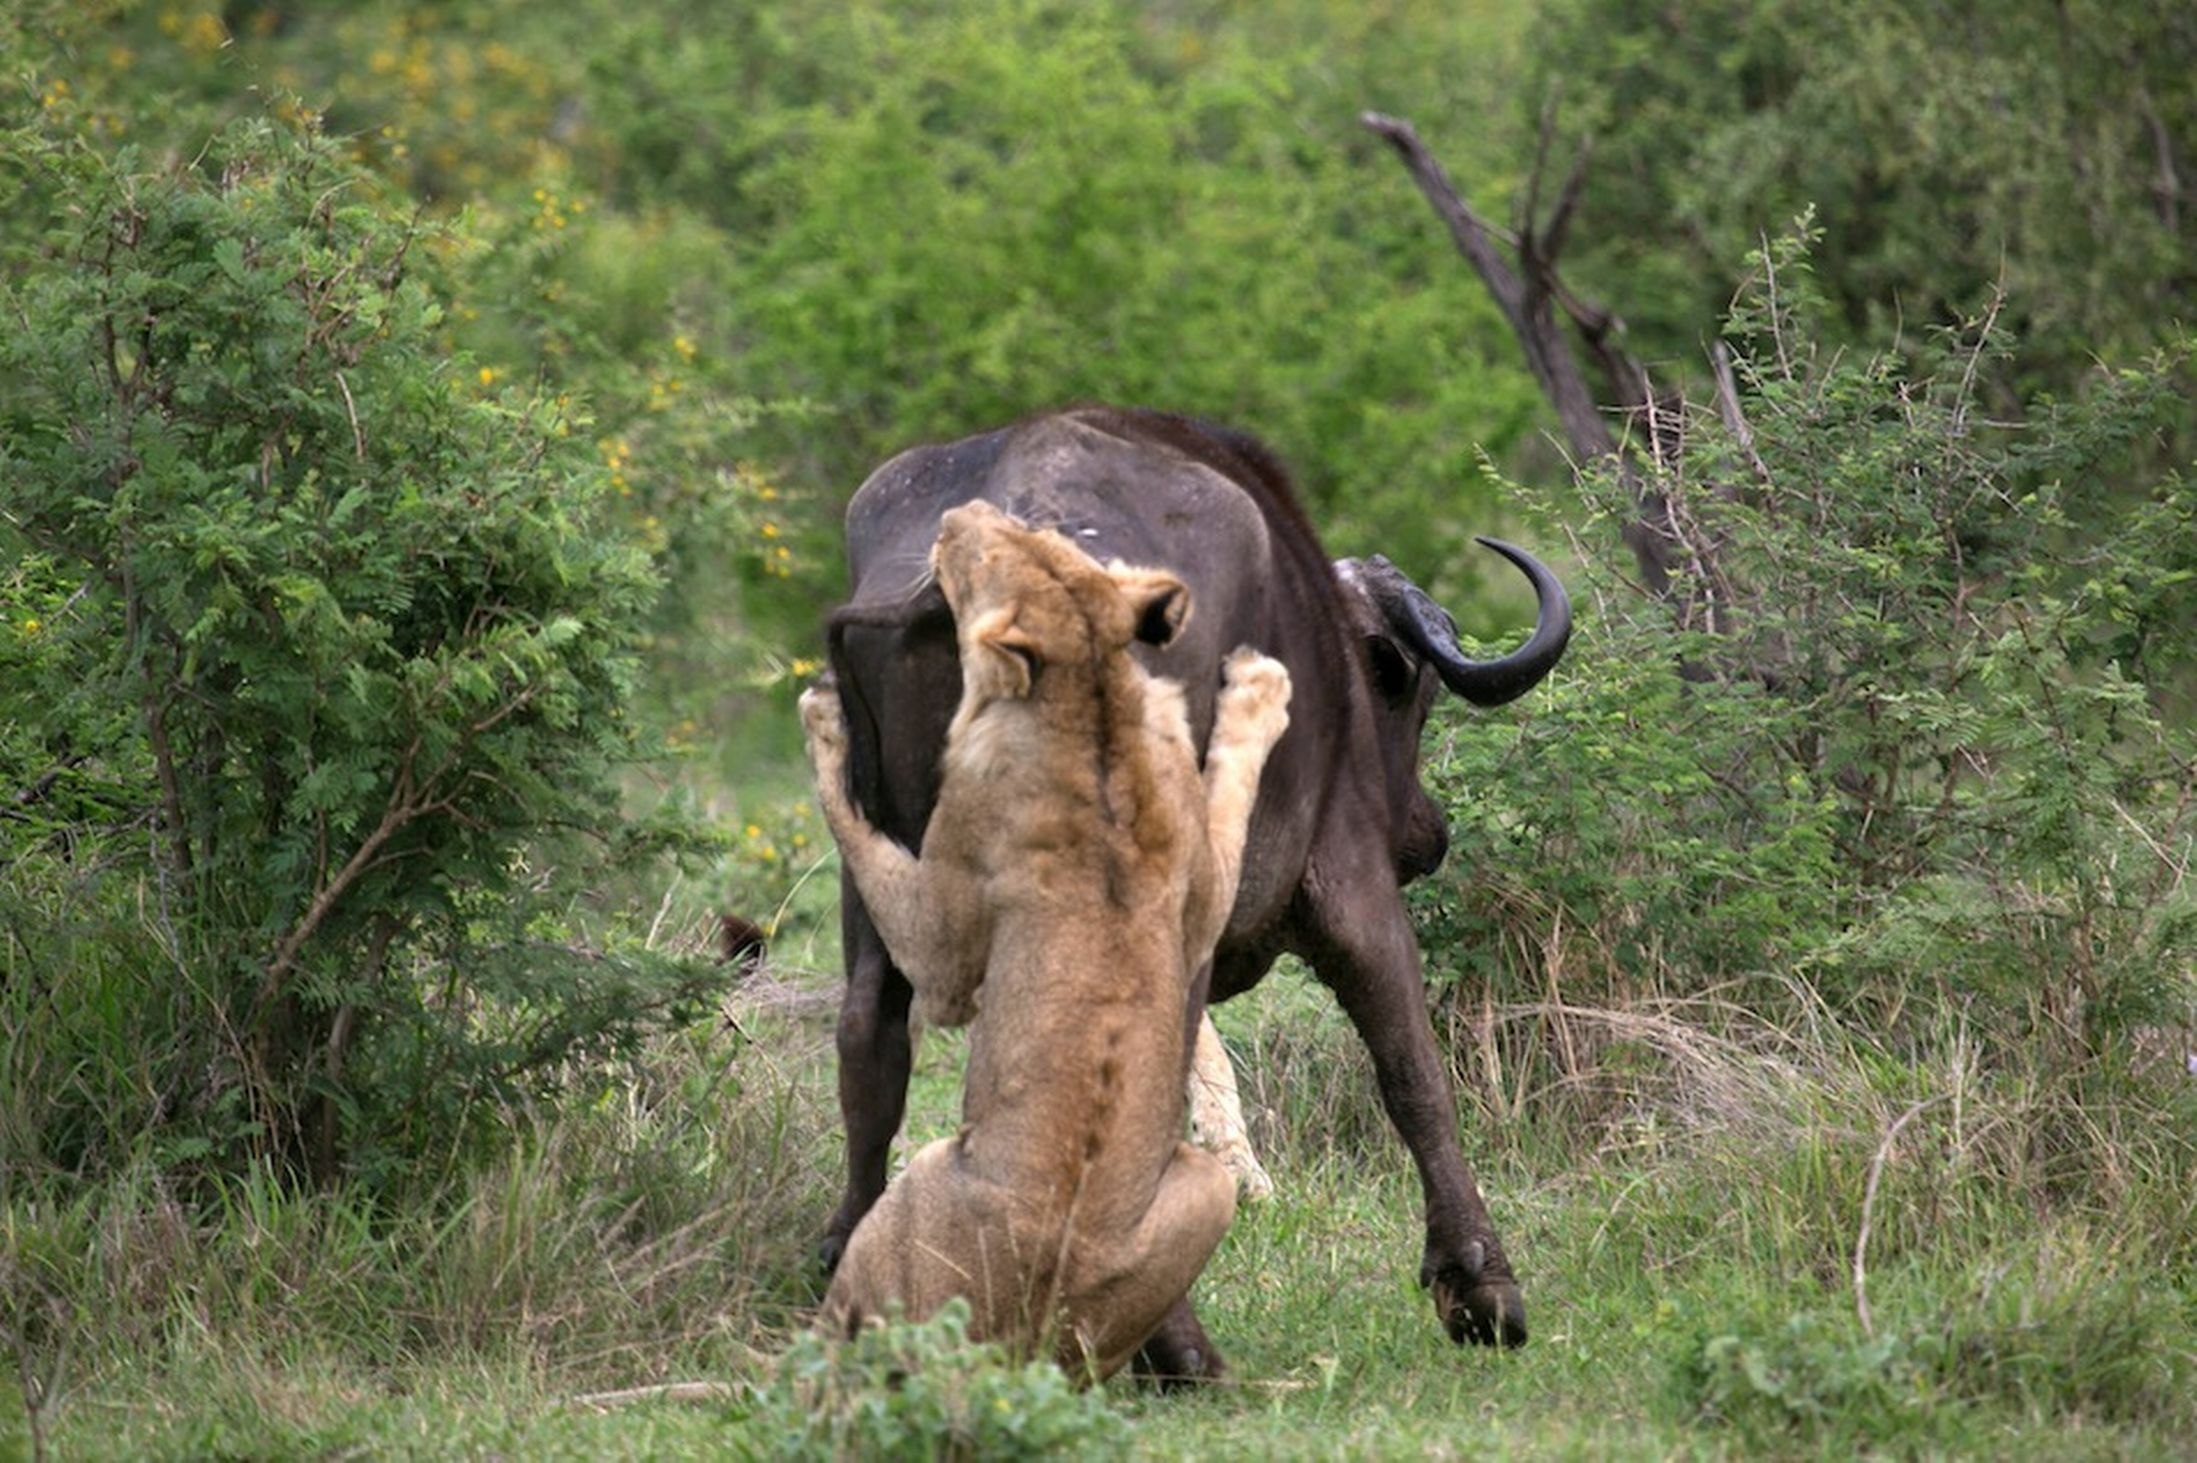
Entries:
{"x":1159,"y":603}
{"x":1005,"y":661}
{"x":1394,"y":674}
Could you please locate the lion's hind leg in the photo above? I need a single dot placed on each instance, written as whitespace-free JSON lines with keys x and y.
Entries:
{"x":940,"y":1231}
{"x":1127,"y":1285}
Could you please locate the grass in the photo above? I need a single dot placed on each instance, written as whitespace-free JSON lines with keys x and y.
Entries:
{"x":1688,"y":1258}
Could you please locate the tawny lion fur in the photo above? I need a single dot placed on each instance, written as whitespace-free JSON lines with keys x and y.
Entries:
{"x":1075,"y":874}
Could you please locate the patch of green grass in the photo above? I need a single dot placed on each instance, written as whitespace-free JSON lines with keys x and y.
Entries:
{"x":1689,"y":1274}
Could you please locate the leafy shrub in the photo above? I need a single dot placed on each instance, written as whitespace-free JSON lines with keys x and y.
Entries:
{"x":2110,"y":1357}
{"x":1919,"y":746}
{"x":2038,"y":152}
{"x":320,"y":650}
{"x":1809,"y":1373}
{"x":923,"y":1390}
{"x":1090,"y":203}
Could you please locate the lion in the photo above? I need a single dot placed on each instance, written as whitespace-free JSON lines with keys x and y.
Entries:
{"x":1074,"y":877}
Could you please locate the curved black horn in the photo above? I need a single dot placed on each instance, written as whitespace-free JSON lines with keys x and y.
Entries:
{"x":1428,"y":629}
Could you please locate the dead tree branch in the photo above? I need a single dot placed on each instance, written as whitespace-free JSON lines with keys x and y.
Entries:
{"x":1529,"y":295}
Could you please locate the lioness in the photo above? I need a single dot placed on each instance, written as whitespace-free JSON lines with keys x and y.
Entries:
{"x":1075,"y":874}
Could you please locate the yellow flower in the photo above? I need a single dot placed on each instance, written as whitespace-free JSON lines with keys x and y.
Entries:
{"x":752,"y":831}
{"x":488,"y":375}
{"x":205,"y":34}
{"x":31,"y":627}
{"x":770,"y":530}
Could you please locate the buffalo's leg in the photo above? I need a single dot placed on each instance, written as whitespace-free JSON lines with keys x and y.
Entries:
{"x":874,"y":1057}
{"x":1179,"y":1353}
{"x":1366,"y":955}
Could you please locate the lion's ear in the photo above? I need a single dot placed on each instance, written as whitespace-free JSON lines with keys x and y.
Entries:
{"x":1006,"y":661}
{"x":1159,"y":603}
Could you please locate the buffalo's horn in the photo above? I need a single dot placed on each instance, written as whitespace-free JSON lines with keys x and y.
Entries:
{"x":1428,"y":629}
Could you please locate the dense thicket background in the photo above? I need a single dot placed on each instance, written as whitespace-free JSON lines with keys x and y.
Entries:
{"x":422,"y":433}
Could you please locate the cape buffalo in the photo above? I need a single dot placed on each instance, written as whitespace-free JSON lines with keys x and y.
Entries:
{"x":1341,"y":822}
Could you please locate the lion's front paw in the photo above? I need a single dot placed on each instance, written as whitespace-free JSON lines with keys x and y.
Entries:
{"x":824,"y":721}
{"x":1256,"y":695}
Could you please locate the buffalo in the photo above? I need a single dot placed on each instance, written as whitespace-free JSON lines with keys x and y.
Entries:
{"x":1341,"y":823}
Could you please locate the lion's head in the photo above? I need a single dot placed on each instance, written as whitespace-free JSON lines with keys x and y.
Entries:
{"x":1026,"y":599}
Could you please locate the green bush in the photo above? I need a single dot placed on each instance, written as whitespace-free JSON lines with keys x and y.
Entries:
{"x":2029,"y":144}
{"x":914,"y":221}
{"x":2107,"y":1359}
{"x":1921,"y":750}
{"x":318,"y":647}
{"x":923,"y":1390}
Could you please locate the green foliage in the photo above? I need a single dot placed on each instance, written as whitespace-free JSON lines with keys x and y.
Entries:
{"x":1805,"y":1375}
{"x":2042,"y":146}
{"x":1008,"y":206}
{"x":633,"y":318}
{"x":1810,"y":1378}
{"x":1923,"y":751}
{"x":335,"y":694}
{"x":909,"y":222}
{"x":922,"y":1390}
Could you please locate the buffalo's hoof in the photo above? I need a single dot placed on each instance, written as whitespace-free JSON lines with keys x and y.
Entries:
{"x":1483,"y":1310}
{"x":829,"y":1249}
{"x":1179,"y":1354}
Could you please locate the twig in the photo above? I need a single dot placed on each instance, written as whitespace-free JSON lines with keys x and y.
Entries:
{"x":1975,"y":353}
{"x":38,"y":1392}
{"x":1727,"y":407}
{"x":2178,"y":867}
{"x":656,"y":925}
{"x":358,"y":437}
{"x":661,"y":1392}
{"x":1868,"y":1206}
{"x":2169,"y":186}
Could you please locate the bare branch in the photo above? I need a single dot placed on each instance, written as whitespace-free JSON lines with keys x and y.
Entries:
{"x":358,"y":437}
{"x":1466,"y":228}
{"x":1530,"y":320}
{"x":1567,"y":202}
{"x":1727,"y":407}
{"x":2169,"y":186}
{"x":1529,"y":216}
{"x":1530,"y":294}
